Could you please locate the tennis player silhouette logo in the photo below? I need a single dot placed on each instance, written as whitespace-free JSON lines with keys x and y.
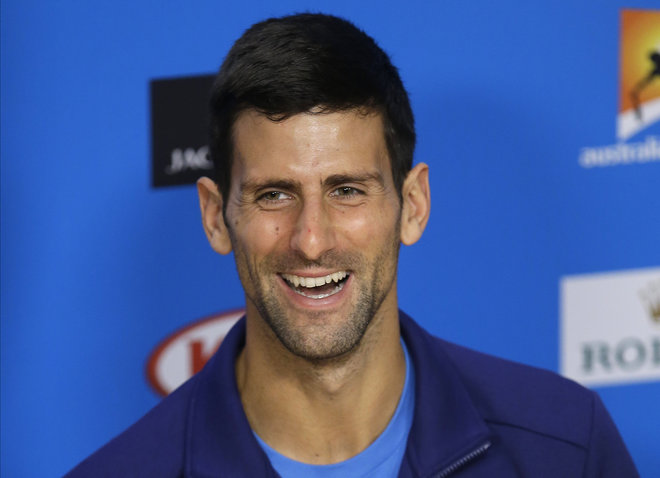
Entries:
{"x":653,"y":75}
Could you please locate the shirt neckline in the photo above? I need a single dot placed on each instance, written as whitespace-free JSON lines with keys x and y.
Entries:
{"x":375,"y":454}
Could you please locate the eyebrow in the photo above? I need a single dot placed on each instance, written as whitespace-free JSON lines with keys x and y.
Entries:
{"x":337,"y":179}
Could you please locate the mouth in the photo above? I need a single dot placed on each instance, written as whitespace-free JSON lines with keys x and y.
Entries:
{"x":317,"y":287}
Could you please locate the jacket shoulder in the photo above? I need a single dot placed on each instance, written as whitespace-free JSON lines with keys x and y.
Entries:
{"x":531,"y":407}
{"x":152,"y":446}
{"x":516,"y":395}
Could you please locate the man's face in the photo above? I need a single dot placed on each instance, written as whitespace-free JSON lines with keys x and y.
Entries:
{"x":314,"y":221}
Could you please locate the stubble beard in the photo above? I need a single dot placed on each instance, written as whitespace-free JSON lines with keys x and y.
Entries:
{"x":322,"y":342}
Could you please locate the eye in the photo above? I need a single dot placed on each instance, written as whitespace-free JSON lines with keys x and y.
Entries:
{"x":274,"y":196}
{"x":273,"y":200}
{"x":346,"y":192}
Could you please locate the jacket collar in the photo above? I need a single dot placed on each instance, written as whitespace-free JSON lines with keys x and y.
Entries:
{"x":219,"y":441}
{"x":447,"y":425}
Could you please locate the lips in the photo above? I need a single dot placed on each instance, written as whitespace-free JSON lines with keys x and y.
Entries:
{"x":317,"y":287}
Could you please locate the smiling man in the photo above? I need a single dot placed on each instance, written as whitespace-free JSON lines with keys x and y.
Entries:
{"x":313,"y":216}
{"x":312,"y":137}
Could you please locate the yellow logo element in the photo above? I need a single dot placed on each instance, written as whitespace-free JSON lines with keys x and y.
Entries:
{"x":639,"y":70}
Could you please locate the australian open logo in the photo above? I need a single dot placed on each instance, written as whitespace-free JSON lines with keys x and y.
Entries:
{"x":638,"y":116}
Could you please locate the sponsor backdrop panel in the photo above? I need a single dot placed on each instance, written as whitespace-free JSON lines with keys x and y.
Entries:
{"x":539,"y":121}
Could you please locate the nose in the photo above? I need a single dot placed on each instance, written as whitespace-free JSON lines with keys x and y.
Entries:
{"x":314,"y":233}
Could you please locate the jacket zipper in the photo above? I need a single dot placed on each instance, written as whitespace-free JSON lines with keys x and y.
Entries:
{"x":477,"y":452}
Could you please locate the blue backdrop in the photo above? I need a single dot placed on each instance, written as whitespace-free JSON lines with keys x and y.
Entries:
{"x":97,"y":267}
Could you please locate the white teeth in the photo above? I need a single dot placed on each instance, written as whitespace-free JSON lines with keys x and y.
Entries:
{"x":310,"y":282}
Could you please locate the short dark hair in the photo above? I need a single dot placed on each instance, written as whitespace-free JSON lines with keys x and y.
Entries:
{"x":284,"y":66}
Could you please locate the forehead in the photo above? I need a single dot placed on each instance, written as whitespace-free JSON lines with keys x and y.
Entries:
{"x":309,"y":144}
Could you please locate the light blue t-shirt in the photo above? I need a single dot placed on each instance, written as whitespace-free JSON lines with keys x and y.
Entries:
{"x":382,"y":458}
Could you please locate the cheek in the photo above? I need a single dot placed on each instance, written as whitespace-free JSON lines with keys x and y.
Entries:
{"x":263,"y":234}
{"x":370,"y":229}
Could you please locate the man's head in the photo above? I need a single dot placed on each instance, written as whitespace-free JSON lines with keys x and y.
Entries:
{"x":313,"y":139}
{"x":309,"y":62}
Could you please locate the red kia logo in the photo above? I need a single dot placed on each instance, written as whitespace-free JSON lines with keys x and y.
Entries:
{"x":184,"y":353}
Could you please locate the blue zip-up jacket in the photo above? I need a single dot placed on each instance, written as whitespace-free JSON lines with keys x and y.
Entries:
{"x":476,"y":416}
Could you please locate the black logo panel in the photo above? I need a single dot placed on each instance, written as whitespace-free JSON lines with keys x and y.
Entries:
{"x":179,"y":130}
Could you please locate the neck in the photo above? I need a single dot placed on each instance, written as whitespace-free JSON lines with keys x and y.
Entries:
{"x":322,"y":411}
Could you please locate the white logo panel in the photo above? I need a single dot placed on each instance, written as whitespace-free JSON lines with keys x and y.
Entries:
{"x":610,"y":327}
{"x":186,"y":351}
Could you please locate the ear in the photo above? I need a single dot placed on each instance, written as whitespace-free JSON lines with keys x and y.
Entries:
{"x":210,"y":203}
{"x":416,"y":205}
